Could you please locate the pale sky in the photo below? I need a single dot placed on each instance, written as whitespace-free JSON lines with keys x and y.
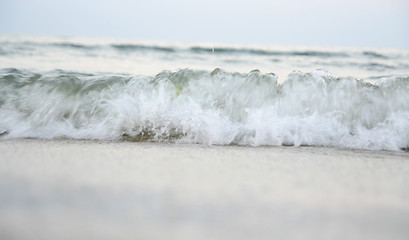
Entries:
{"x":356,"y":23}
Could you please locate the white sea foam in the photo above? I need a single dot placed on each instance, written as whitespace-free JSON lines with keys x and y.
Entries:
{"x":215,"y":107}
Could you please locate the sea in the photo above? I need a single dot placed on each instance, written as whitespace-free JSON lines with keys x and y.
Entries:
{"x":203,"y":93}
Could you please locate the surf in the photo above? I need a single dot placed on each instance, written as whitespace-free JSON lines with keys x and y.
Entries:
{"x":207,"y":107}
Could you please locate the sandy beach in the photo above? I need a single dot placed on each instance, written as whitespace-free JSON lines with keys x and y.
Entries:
{"x":67,"y":189}
{"x":204,"y":120}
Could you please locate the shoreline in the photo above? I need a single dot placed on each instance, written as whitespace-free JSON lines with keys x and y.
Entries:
{"x":402,"y":152}
{"x":84,"y":189}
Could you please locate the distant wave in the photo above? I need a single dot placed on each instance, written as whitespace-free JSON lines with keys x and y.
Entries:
{"x":75,"y":45}
{"x":217,"y":107}
{"x":267,"y":53}
{"x":373,"y":66}
{"x":374,"y":54}
{"x":136,"y":47}
{"x":14,"y":47}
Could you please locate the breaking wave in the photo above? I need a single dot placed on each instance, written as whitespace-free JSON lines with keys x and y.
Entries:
{"x":218,"y":107}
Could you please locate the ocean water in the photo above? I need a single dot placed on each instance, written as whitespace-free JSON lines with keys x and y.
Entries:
{"x":224,"y":94}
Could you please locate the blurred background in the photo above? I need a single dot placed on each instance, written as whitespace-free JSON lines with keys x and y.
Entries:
{"x":355,"y":23}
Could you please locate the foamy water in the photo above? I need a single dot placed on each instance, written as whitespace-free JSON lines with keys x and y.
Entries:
{"x":203,"y":93}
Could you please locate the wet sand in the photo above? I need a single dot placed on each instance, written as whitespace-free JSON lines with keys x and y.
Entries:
{"x":122,"y":190}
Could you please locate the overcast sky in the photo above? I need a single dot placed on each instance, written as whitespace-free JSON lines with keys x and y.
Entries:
{"x":361,"y":23}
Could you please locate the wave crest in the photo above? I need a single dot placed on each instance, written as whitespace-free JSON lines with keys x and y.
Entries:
{"x":215,"y":107}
